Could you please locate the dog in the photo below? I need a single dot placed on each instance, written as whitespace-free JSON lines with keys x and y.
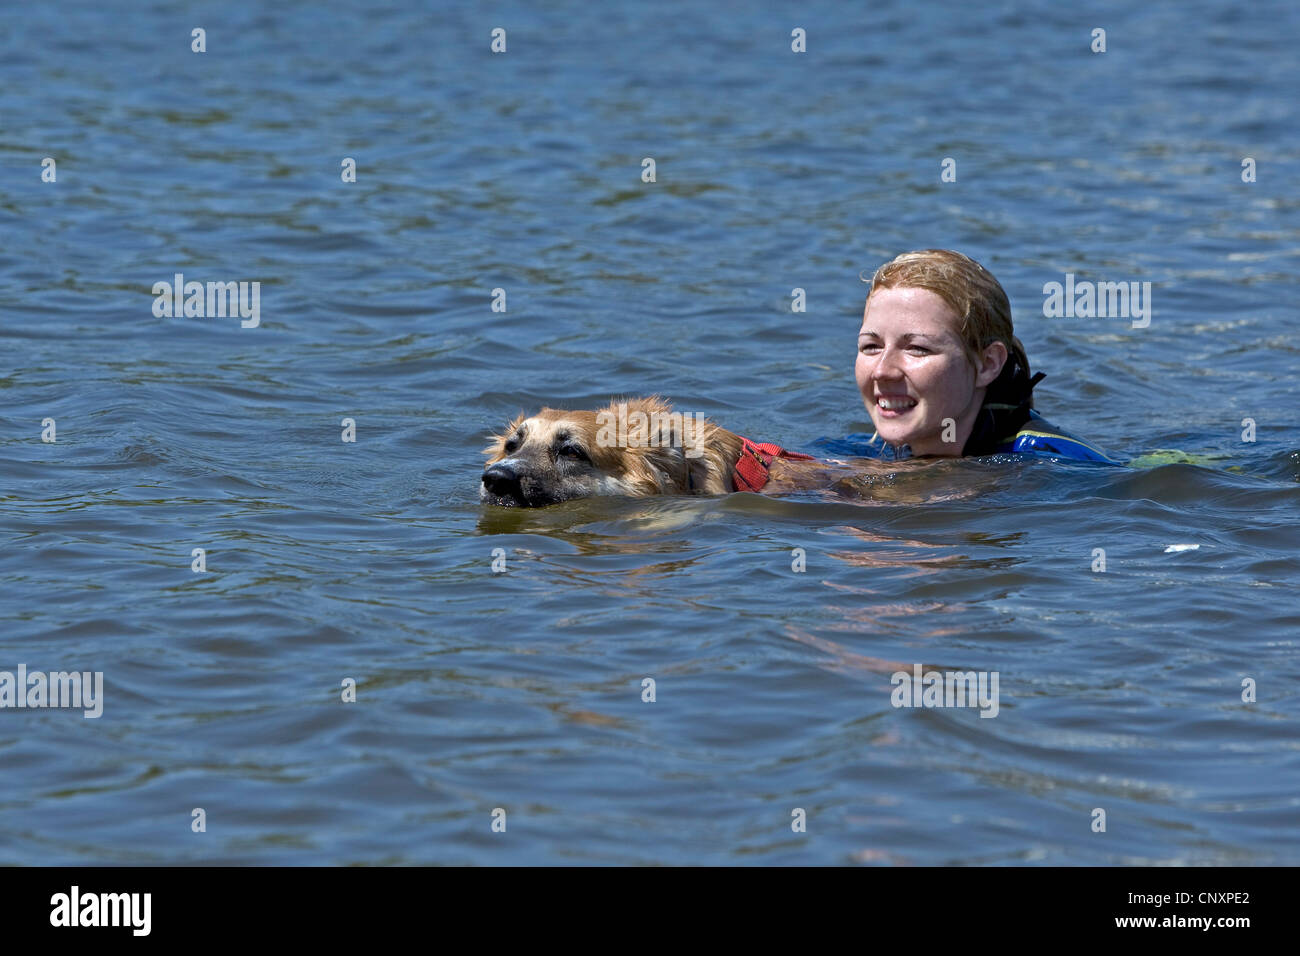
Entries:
{"x":637,"y":448}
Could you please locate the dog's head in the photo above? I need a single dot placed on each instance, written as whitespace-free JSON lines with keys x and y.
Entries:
{"x":637,"y":447}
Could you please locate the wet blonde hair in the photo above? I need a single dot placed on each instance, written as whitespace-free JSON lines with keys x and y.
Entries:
{"x":981,"y":304}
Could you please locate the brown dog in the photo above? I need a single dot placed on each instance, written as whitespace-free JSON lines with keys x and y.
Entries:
{"x":639,"y":447}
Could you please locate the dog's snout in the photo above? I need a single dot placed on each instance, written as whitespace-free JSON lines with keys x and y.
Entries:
{"x":502,"y":480}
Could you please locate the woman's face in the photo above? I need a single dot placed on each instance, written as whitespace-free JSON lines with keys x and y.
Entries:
{"x":914,"y":375}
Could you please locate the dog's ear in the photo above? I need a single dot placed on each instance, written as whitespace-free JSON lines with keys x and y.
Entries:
{"x":672,"y":452}
{"x":497,"y":449}
{"x":652,"y":406}
{"x":649,"y":452}
{"x":657,"y":471}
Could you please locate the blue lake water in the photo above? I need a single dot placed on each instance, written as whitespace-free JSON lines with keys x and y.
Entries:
{"x":1120,"y":690}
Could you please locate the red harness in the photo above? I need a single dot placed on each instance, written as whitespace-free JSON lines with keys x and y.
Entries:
{"x":754,"y":466}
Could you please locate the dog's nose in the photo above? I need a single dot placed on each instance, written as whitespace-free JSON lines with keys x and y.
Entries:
{"x":503,"y":481}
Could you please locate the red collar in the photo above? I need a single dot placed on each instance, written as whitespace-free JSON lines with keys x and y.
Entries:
{"x":754,"y":466}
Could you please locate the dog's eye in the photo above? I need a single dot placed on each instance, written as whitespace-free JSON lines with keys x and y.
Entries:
{"x":574,"y":452}
{"x":512,"y":446}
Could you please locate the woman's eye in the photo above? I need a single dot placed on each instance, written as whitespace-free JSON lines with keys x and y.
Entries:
{"x":870,"y":348}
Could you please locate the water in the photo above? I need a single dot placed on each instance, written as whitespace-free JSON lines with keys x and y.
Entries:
{"x":373,"y":560}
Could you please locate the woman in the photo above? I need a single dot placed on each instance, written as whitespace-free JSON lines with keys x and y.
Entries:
{"x":940,"y":369}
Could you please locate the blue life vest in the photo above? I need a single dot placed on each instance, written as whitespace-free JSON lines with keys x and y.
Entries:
{"x":1038,"y":436}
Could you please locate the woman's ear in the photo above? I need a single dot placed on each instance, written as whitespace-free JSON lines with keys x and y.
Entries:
{"x":991,"y":362}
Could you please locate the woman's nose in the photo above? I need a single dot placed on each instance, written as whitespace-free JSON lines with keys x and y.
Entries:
{"x":887,"y":365}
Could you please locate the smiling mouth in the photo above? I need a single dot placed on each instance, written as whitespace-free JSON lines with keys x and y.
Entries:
{"x":896,"y":404}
